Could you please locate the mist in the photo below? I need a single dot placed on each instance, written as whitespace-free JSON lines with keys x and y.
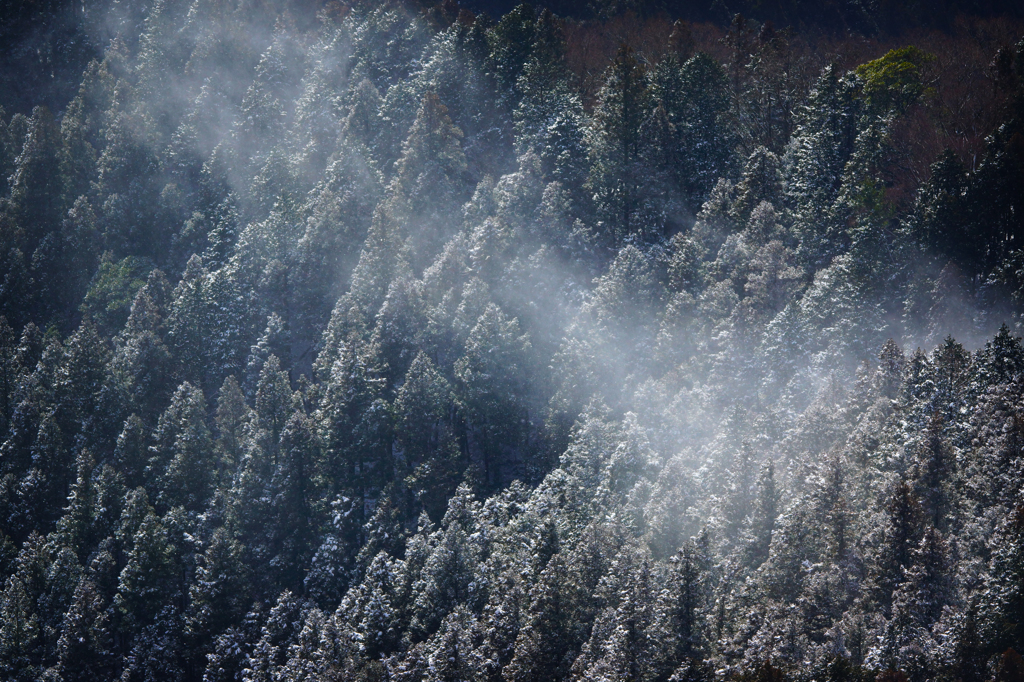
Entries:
{"x":392,"y":341}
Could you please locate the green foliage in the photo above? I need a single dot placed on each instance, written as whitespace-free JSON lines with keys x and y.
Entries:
{"x":113,"y":289}
{"x":894,"y":81}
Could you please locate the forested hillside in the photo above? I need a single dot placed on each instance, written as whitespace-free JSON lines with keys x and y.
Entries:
{"x":381,"y":341}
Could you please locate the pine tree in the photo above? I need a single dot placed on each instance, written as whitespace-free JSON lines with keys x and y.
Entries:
{"x":761,"y":181}
{"x":75,"y":528}
{"x":662,"y":209}
{"x":424,"y":431}
{"x":543,"y":83}
{"x":564,"y":155}
{"x":451,"y":659}
{"x":38,"y":185}
{"x":340,"y":209}
{"x":19,"y":633}
{"x":398,"y":321}
{"x":273,"y":402}
{"x":182,"y":466}
{"x":65,"y":261}
{"x":444,"y":582}
{"x":80,"y":379}
{"x":823,"y":142}
{"x":932,"y":578}
{"x":375,"y":607}
{"x":833,"y":513}
{"x":621,"y":312}
{"x":934,"y":470}
{"x":1004,"y":593}
{"x":220,"y":592}
{"x":686,"y":602}
{"x":546,"y":636}
{"x":385,"y":531}
{"x":141,"y":362}
{"x":17,"y":287}
{"x":901,"y":534}
{"x":357,"y":423}
{"x":616,"y":178}
{"x":362,"y":124}
{"x":86,"y":648}
{"x":765,"y":512}
{"x":511,"y":41}
{"x":457,"y":71}
{"x":382,"y":258}
{"x":740,"y":498}
{"x":188,"y":321}
{"x":706,"y":139}
{"x":128,"y":189}
{"x":150,"y":580}
{"x":131,"y":453}
{"x":493,"y":384}
{"x":1001,"y":359}
{"x":332,"y":568}
{"x":280,"y":630}
{"x":951,"y":371}
{"x":275,"y":340}
{"x":942,"y":211}
{"x":968,"y":662}
{"x":630,"y":650}
{"x":429,"y":178}
{"x":891,"y":364}
{"x":392,"y":40}
{"x":294,"y":494}
{"x":233,"y":414}
{"x":9,"y":372}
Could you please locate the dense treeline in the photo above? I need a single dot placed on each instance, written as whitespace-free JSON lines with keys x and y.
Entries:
{"x":392,"y":344}
{"x":871,"y":17}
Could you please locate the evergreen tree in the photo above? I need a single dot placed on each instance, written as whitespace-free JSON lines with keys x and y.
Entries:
{"x":19,"y":634}
{"x":233,"y":414}
{"x":822,"y":144}
{"x":429,"y":178}
{"x":141,"y":362}
{"x":765,"y":511}
{"x":543,"y":84}
{"x":686,"y":602}
{"x":934,"y":467}
{"x":375,"y":607}
{"x":220,"y":592}
{"x":444,"y":580}
{"x":423,"y":426}
{"x":616,"y":178}
{"x":38,"y":186}
{"x":182,"y":466}
{"x":493,"y":384}
{"x":511,"y":40}
{"x":700,"y":114}
{"x":1002,"y":358}
{"x":86,"y":648}
{"x":294,"y":494}
{"x":148,"y":585}
{"x":942,"y":211}
{"x":1004,"y":591}
{"x":901,"y":534}
{"x":761,"y":181}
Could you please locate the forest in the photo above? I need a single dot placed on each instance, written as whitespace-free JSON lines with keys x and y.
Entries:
{"x":617,"y":341}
